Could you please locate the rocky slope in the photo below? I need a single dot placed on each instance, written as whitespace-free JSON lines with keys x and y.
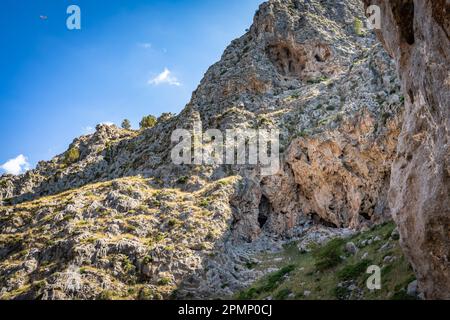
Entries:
{"x":337,"y":269}
{"x":416,"y":33}
{"x":114,"y":215}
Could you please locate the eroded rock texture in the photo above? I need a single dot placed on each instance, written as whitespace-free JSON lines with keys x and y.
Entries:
{"x":417,"y":33}
{"x":301,"y":68}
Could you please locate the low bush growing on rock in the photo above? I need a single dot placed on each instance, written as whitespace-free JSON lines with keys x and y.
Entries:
{"x":329,"y":256}
{"x":71,"y":156}
{"x":354,"y":270}
{"x":148,"y":122}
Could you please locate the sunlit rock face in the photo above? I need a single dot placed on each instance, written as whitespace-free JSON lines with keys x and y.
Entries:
{"x":416,"y":33}
{"x":114,"y":209}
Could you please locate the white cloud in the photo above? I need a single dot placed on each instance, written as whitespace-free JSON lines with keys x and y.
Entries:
{"x":16,"y":166}
{"x":107,"y":123}
{"x":145,"y":45}
{"x":88,"y":130}
{"x":165,"y":77}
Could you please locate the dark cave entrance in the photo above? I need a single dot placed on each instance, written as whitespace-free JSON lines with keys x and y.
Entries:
{"x":320,"y":221}
{"x":264,"y":211}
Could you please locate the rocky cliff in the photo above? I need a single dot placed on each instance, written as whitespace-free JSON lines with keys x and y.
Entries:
{"x":113,"y":216}
{"x":416,"y":34}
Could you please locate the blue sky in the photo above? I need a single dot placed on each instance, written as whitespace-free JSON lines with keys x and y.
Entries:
{"x":131,"y":58}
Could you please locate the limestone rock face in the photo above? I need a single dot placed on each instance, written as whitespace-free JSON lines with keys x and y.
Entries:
{"x":342,"y":176}
{"x":416,"y":33}
{"x":302,"y":69}
{"x":334,"y":96}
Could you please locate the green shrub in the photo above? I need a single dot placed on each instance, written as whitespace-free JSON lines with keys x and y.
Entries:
{"x":358,"y":25}
{"x":282,"y":294}
{"x":126,"y":124}
{"x":204,"y":203}
{"x":224,"y":183}
{"x":249,"y":294}
{"x":317,"y":80}
{"x":274,"y":280}
{"x":163,"y":281}
{"x":295,"y":95}
{"x":128,"y":266}
{"x":160,"y":237}
{"x":131,"y":228}
{"x":183,"y":180}
{"x":341,"y":293}
{"x":329,"y":255}
{"x":39,"y":285}
{"x":148,"y":122}
{"x":71,"y":156}
{"x":402,"y":295}
{"x":106,"y":295}
{"x":166,"y":116}
{"x":353,"y":271}
{"x":173,"y":223}
{"x":146,"y":294}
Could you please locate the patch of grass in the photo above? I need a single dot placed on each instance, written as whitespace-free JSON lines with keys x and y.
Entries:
{"x":39,"y":285}
{"x":329,"y":256}
{"x":335,"y":274}
{"x":145,"y":294}
{"x":106,"y":295}
{"x":172,"y":223}
{"x":224,"y":183}
{"x":270,"y":283}
{"x":402,"y":295}
{"x":302,"y":134}
{"x":358,"y":25}
{"x":274,"y":279}
{"x":128,"y":266}
{"x":163,"y":281}
{"x":204,"y":203}
{"x":341,"y":293}
{"x":147,"y":260}
{"x":283,"y":294}
{"x":183,"y":180}
{"x":295,"y":96}
{"x":353,"y":271}
{"x":317,"y":80}
{"x":249,"y":294}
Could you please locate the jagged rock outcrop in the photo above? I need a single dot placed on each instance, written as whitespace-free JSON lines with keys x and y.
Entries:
{"x":301,"y":68}
{"x":124,"y":238}
{"x":416,"y":33}
{"x":336,"y":99}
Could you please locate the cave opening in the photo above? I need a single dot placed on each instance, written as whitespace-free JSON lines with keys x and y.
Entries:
{"x":365,"y":215}
{"x":288,"y":59}
{"x":318,"y":220}
{"x":264,"y":211}
{"x":319,"y":58}
{"x":403,"y":11}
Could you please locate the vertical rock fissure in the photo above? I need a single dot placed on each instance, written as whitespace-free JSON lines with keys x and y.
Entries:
{"x":403,"y":11}
{"x":264,"y":211}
